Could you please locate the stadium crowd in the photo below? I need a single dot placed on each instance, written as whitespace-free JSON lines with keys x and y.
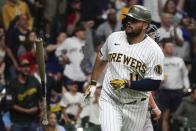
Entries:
{"x":73,"y":32}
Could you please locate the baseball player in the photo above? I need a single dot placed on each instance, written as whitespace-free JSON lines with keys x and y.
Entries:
{"x":134,"y":67}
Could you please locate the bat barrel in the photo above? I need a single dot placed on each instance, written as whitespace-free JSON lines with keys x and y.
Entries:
{"x":41,"y":66}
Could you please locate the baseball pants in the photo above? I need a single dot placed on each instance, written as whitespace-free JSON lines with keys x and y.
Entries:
{"x":123,"y":117}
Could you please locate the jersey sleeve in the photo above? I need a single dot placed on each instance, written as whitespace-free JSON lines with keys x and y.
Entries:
{"x":155,"y":67}
{"x":104,"y":50}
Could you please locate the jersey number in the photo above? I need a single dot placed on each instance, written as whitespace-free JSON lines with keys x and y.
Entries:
{"x":134,"y":76}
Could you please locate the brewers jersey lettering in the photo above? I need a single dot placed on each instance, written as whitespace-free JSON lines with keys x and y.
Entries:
{"x":126,"y":110}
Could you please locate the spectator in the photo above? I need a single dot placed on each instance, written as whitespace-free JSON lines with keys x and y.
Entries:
{"x":125,"y":9}
{"x":186,"y":110}
{"x":54,"y":104}
{"x":17,"y":39}
{"x":171,"y":8}
{"x":188,"y":6}
{"x":109,"y":26}
{"x":167,"y":30}
{"x":94,"y":124}
{"x":4,"y":53}
{"x":53,"y":125}
{"x":88,"y":49}
{"x":119,"y":4}
{"x":23,"y":96}
{"x":155,"y":8}
{"x":185,"y":50}
{"x":73,"y":16}
{"x":71,"y":53}
{"x":49,"y":13}
{"x":93,"y":10}
{"x":53,"y":8}
{"x":29,"y":51}
{"x":52,"y":60}
{"x":71,"y":103}
{"x":176,"y":80}
{"x":51,"y":83}
{"x":12,"y":8}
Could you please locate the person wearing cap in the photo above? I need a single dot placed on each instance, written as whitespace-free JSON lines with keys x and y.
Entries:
{"x":23,"y":96}
{"x":134,"y":67}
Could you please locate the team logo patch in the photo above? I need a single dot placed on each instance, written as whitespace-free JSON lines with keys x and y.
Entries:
{"x":158,"y":69}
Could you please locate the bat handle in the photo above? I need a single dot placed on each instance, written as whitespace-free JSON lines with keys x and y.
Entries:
{"x":45,"y":117}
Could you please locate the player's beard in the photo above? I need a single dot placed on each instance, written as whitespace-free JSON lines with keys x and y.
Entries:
{"x":134,"y":33}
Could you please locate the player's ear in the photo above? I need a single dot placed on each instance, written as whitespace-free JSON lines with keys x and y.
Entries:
{"x":145,"y":25}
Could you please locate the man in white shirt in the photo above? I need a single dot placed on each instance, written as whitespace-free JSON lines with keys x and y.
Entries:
{"x":71,"y":54}
{"x":167,"y":30}
{"x":175,"y":81}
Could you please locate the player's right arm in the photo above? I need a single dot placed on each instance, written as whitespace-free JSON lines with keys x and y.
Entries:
{"x":99,"y":66}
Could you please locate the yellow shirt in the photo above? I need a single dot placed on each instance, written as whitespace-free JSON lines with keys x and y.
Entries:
{"x":123,"y":10}
{"x":11,"y":10}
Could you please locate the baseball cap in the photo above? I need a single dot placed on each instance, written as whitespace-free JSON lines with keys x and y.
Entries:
{"x":70,"y":82}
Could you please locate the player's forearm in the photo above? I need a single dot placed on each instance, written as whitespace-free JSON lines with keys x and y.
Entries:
{"x":145,"y":85}
{"x":152,"y":103}
{"x":98,"y":68}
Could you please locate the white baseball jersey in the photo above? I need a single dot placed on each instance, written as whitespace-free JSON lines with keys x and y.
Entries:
{"x":127,"y":62}
{"x":73,"y":46}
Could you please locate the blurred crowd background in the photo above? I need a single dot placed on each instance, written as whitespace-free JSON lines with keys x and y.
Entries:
{"x":73,"y":31}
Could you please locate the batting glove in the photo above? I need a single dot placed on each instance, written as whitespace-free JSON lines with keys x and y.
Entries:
{"x":90,"y":89}
{"x":118,"y":84}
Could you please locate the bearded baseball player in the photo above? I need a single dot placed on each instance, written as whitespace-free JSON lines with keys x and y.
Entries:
{"x":134,"y":67}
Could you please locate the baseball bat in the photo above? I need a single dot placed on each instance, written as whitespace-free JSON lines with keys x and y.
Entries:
{"x":41,"y":66}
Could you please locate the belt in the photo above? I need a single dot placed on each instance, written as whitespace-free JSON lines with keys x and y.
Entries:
{"x":135,"y":101}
